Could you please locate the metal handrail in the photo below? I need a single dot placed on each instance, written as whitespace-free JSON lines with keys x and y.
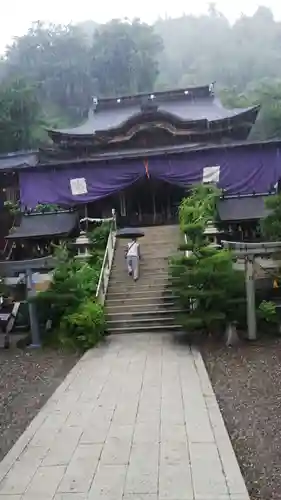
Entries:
{"x":107,"y":262}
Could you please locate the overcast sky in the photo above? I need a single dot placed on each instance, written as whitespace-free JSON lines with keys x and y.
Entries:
{"x":17,"y":15}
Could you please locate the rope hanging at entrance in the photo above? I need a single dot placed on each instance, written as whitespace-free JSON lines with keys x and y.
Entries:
{"x":146,"y":168}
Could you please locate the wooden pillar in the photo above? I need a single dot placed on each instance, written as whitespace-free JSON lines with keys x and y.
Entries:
{"x":86,"y":217}
{"x":140,"y":212}
{"x":123,"y":209}
{"x":154,"y":205}
{"x":121,"y":203}
{"x":251,"y":299}
{"x":34,"y":324}
{"x":169,"y":216}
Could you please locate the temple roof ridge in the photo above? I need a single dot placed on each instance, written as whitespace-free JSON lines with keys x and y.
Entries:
{"x":203,"y":91}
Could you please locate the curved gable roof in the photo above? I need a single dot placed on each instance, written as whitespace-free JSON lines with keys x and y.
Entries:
{"x":45,"y":225}
{"x":182,"y":106}
{"x":19,"y":159}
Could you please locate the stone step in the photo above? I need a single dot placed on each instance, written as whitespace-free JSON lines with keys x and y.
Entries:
{"x":122,"y":274}
{"x":148,"y":231}
{"x":161,"y":227}
{"x":151,"y":245}
{"x":144,"y":312}
{"x":144,"y":268}
{"x":152,"y":242}
{"x":162,"y":238}
{"x":143,"y":316}
{"x":154,"y":238}
{"x":138,"y":287}
{"x":154,"y":259}
{"x":147,"y":305}
{"x":131,"y":288}
{"x":114,"y":293}
{"x":145,"y":278}
{"x":128,"y":282}
{"x":147,"y":257}
{"x":148,"y":265}
{"x":161,"y":271}
{"x":123,"y":307}
{"x":149,"y":321}
{"x":158,"y":239}
{"x":118,"y":299}
{"x":145,"y":329}
{"x":142,"y":294}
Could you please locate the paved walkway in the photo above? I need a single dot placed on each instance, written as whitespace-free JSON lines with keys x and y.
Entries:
{"x":135,"y":419}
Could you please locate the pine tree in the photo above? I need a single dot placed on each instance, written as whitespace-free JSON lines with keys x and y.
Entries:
{"x":208,"y":288}
{"x":271,"y":225}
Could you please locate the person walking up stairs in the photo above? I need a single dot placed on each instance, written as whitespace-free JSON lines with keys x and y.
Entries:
{"x":146,"y":305}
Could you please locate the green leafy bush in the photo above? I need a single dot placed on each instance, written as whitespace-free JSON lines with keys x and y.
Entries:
{"x":71,"y":296}
{"x":267,"y":312}
{"x":84,"y":327}
{"x":12,"y":206}
{"x":200,"y":207}
{"x":42,"y":208}
{"x":99,"y":235}
{"x":73,"y":283}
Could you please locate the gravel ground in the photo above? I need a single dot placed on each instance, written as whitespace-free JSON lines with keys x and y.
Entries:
{"x":247,"y":383}
{"x":27,"y":380}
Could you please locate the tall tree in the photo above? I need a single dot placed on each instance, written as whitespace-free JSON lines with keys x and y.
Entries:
{"x":267,"y":93}
{"x":19,"y":116}
{"x":70,"y":64}
{"x":201,"y":49}
{"x":57,"y":59}
{"x":125,"y":58}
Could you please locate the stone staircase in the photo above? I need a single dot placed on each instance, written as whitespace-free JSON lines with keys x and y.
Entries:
{"x":147,"y":305}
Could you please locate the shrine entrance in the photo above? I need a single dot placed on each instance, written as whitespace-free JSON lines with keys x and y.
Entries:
{"x":149,"y":202}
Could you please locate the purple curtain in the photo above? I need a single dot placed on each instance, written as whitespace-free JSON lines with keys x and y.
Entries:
{"x":51,"y":185}
{"x":242,"y":170}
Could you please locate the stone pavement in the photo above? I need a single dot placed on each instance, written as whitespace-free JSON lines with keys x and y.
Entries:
{"x":136,"y":419}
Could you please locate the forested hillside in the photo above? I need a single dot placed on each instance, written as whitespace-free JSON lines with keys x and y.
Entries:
{"x":49,"y":76}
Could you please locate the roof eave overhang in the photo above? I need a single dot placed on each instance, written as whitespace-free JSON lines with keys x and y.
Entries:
{"x":190,"y":125}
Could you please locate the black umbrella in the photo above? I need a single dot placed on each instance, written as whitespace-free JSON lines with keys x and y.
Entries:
{"x":129,"y":232}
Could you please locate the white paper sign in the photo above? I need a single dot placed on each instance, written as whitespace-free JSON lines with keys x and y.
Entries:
{"x":211,"y":175}
{"x":78,"y":186}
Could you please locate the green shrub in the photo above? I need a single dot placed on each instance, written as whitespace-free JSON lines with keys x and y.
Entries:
{"x":271,"y":225}
{"x":208,"y":288}
{"x":209,"y":291}
{"x":71,"y":296}
{"x":99,"y":236}
{"x":267,"y":312}
{"x":198,"y":208}
{"x":84,"y":327}
{"x":73,"y":283}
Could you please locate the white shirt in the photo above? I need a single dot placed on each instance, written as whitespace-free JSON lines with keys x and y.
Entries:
{"x":133,"y":249}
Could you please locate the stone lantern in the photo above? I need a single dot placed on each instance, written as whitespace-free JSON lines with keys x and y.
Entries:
{"x":83,"y":245}
{"x":212,"y":234}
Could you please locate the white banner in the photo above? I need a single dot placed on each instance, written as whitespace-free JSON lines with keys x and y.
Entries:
{"x":78,"y":186}
{"x":211,"y":175}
